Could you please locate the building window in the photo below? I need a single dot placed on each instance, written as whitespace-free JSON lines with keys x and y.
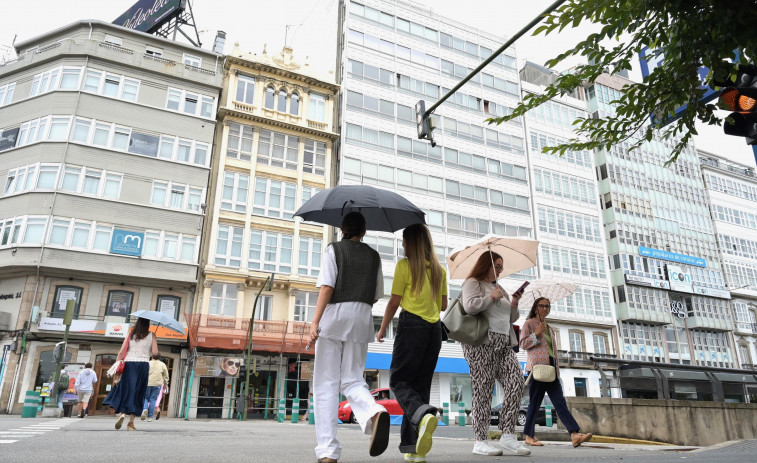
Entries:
{"x":314,"y":161}
{"x":317,"y":108}
{"x":310,"y":256}
{"x":281,"y":103}
{"x":235,"y":188}
{"x":294,"y":105}
{"x":576,"y":341}
{"x":580,"y":384}
{"x":169,"y":305}
{"x":239,"y":144}
{"x":223,"y":299}
{"x":229,"y":246}
{"x":304,"y":306}
{"x":278,"y":149}
{"x":270,"y":251}
{"x":6,"y":93}
{"x":119,"y":303}
{"x":274,"y":198}
{"x":34,"y":230}
{"x":269,"y":97}
{"x":111,"y":85}
{"x":264,"y":309}
{"x":600,"y":343}
{"x":245,"y":89}
{"x":112,"y":39}
{"x":190,"y":103}
{"x":191,"y":60}
{"x":153,"y":51}
{"x":63,"y":294}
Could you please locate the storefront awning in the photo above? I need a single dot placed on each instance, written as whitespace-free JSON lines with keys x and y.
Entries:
{"x":376,"y":361}
{"x":736,"y":378}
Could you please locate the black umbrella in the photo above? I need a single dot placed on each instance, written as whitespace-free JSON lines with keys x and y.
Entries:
{"x":383,"y":210}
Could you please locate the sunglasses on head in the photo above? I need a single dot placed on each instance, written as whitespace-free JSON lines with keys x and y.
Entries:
{"x":231,"y":363}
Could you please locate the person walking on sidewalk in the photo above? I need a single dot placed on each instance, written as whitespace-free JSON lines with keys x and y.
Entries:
{"x":420,"y":288}
{"x":128,"y":396}
{"x":84,"y":388}
{"x":350,"y":283}
{"x":494,"y":359}
{"x":62,"y":387}
{"x":538,"y":341}
{"x":157,"y":378}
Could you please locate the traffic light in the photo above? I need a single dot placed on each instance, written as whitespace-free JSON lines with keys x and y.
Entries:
{"x":741,"y":98}
{"x":425,"y":123}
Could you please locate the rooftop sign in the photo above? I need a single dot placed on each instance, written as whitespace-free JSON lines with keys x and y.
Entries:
{"x":149,"y":15}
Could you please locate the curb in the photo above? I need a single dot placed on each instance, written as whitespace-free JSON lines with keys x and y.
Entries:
{"x":563,"y":436}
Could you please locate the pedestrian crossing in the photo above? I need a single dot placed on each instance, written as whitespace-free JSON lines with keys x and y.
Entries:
{"x":14,"y":435}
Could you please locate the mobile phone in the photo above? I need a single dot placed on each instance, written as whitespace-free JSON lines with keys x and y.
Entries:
{"x":522,"y":288}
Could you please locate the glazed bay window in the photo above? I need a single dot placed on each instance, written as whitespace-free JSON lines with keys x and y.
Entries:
{"x":239,"y":143}
{"x":34,"y":230}
{"x":223,"y":299}
{"x":190,"y":103}
{"x":317,"y":108}
{"x":309,"y":261}
{"x":10,"y":230}
{"x":304,"y":306}
{"x":278,"y":149}
{"x":170,"y":246}
{"x":33,"y":131}
{"x":45,"y":82}
{"x":270,"y":251}
{"x":20,"y":179}
{"x":245,"y":89}
{"x":235,"y":188}
{"x":229,"y":246}
{"x":314,"y":161}
{"x":274,"y":198}
{"x":6,"y":93}
{"x":111,"y":85}
{"x":175,"y":196}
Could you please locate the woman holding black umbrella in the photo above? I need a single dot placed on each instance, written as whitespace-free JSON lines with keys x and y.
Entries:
{"x":128,"y":396}
{"x":350,"y":283}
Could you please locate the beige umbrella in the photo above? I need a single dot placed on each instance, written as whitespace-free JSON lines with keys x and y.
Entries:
{"x":554,"y":290}
{"x":517,"y":254}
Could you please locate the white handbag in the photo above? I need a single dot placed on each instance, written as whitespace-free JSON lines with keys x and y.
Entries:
{"x":543,"y":373}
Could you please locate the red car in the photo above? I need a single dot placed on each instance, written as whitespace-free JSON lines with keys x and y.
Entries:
{"x":383,"y":396}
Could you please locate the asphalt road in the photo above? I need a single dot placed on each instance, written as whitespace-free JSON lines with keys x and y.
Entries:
{"x":175,"y":440}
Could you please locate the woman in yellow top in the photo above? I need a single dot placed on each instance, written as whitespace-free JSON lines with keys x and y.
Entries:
{"x":420,"y":288}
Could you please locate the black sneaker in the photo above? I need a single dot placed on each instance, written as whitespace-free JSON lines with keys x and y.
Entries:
{"x":157,"y":415}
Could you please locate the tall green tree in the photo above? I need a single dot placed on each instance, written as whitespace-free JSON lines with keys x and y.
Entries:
{"x":686,"y":34}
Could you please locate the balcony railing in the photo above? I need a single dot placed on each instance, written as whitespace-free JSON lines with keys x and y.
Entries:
{"x":749,"y":366}
{"x":579,"y":359}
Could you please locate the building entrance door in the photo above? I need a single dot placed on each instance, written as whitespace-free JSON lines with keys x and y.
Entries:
{"x":210,"y":398}
{"x":102,"y":386}
{"x":262,"y":403}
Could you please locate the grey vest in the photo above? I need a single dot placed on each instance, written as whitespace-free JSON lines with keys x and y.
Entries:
{"x":357,"y":269}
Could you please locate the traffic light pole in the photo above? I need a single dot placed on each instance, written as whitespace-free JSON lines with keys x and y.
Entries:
{"x":267,"y":283}
{"x":496,"y":53}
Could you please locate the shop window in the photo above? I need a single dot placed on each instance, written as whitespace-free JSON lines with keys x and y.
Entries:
{"x":169,"y":305}
{"x":119,"y":303}
{"x":460,"y":390}
{"x":46,"y":367}
{"x":63,"y":294}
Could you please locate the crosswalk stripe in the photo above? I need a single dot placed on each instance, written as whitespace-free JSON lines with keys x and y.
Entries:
{"x":2,"y":441}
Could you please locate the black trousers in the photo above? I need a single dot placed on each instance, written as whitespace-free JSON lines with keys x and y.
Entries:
{"x":416,"y":350}
{"x":536,"y":395}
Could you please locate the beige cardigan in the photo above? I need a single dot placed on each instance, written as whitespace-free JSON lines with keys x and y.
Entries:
{"x":476,"y":298}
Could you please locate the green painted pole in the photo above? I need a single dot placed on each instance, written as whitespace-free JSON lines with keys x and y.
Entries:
{"x":67,"y":320}
{"x":267,"y":283}
{"x":189,"y":393}
{"x":267,"y":398}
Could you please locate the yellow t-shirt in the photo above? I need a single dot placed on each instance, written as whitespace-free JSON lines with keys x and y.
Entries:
{"x":419,"y":304}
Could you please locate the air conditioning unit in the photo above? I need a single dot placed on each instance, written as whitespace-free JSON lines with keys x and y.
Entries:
{"x":5,"y":321}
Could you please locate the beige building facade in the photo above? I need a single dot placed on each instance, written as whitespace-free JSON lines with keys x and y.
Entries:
{"x":274,"y":150}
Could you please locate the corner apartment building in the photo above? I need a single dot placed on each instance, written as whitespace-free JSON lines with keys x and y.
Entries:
{"x":273,"y":151}
{"x":569,"y":229}
{"x":732,"y":191}
{"x":474,"y":182}
{"x":668,"y":286}
{"x":104,"y":167}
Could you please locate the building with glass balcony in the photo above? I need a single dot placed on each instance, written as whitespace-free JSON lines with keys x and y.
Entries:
{"x":273,"y":151}
{"x":105,"y":155}
{"x":673,"y":305}
{"x":732,"y":191}
{"x":571,"y":236}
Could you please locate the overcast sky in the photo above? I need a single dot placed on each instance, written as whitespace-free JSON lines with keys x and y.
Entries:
{"x":313,"y":33}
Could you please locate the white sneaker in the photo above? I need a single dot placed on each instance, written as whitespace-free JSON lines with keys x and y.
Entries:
{"x":485,"y":448}
{"x":144,"y":415}
{"x":510,"y":444}
{"x":149,"y":419}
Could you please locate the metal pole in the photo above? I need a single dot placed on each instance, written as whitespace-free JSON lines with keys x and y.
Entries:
{"x":249,"y":346}
{"x":67,"y":319}
{"x":496,"y":53}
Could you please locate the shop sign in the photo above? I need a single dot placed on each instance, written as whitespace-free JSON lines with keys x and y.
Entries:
{"x":127,"y":242}
{"x":116,"y":330}
{"x":677,"y":308}
{"x":679,"y":279}
{"x":720,"y":293}
{"x":78,"y":326}
{"x":672,"y":256}
{"x":644,"y":281}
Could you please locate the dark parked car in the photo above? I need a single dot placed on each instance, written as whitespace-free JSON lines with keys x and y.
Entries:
{"x":541,"y":417}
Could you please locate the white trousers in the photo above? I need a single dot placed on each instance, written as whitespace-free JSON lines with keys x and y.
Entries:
{"x":339,"y":367}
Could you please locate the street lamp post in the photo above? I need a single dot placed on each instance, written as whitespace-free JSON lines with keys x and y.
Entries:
{"x":60,"y":349}
{"x":269,"y":284}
